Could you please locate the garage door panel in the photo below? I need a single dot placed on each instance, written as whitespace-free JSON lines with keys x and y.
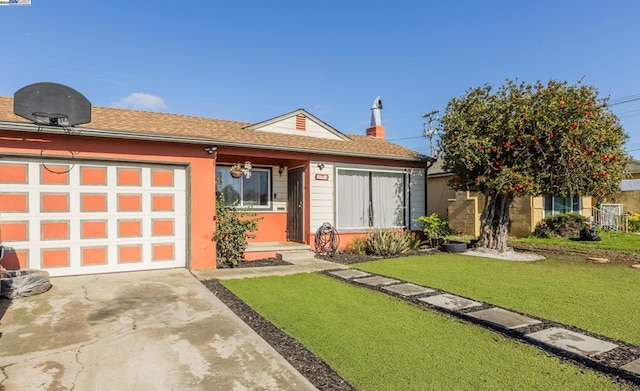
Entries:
{"x":93,"y":218}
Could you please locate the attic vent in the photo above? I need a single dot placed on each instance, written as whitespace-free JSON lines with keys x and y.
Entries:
{"x":301,"y":122}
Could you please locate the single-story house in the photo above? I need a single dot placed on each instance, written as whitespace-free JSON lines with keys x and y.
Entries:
{"x":463,"y":208}
{"x":135,"y":190}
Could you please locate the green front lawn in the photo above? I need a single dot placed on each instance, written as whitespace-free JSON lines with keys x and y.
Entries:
{"x":378,"y":342}
{"x":611,"y":241}
{"x":602,"y":298}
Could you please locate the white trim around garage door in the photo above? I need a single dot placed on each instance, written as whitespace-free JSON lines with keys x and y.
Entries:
{"x":72,"y":217}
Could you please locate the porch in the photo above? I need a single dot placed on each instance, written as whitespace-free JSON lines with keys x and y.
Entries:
{"x":262,"y":250}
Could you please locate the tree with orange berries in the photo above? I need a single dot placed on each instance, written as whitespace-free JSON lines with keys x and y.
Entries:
{"x":530,"y":140}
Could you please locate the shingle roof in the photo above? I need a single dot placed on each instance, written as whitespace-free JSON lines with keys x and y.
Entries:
{"x":115,"y":122}
{"x":437,"y":170}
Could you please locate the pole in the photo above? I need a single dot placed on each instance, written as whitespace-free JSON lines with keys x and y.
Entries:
{"x":428,"y":132}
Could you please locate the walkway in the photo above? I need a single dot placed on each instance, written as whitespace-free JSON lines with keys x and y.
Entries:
{"x":598,"y":352}
{"x":308,"y":265}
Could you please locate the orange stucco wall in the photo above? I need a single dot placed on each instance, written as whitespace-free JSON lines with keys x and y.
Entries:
{"x":272,"y":227}
{"x":201,"y":200}
{"x":345,"y":238}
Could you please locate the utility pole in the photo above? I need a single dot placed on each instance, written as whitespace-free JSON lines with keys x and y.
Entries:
{"x":428,"y":132}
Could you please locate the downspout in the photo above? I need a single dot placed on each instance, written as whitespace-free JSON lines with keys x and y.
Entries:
{"x":407,"y":195}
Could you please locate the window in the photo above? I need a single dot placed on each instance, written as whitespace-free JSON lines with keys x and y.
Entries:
{"x":252,"y":192}
{"x":368,"y":199}
{"x":556,"y":205}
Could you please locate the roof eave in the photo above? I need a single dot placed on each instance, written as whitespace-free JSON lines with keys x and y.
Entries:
{"x":91,"y":132}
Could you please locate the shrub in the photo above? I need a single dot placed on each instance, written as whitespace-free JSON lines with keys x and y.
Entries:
{"x":233,"y":228}
{"x":563,"y":225}
{"x":634,"y":222}
{"x":417,"y":241}
{"x":357,"y":246}
{"x":388,"y":242}
{"x":433,"y":226}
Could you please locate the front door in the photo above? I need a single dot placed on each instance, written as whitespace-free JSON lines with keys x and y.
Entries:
{"x":295,"y":205}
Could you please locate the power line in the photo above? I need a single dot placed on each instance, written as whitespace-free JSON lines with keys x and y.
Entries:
{"x":624,"y":99}
{"x":405,"y":138}
{"x":629,"y":112}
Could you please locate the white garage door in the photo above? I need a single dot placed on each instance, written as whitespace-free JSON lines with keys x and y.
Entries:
{"x":74,"y":218}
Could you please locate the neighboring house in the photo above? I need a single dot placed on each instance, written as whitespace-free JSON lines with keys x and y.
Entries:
{"x":629,"y":195}
{"x":134,"y":190}
{"x":463,"y":208}
{"x":438,"y":192}
{"x":625,"y":202}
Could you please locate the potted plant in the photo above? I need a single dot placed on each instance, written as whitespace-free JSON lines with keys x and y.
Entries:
{"x":434,"y":228}
{"x":236,"y":170}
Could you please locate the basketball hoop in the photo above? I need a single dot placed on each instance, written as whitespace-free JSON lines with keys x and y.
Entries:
{"x":52,"y":104}
{"x":55,"y":105}
{"x":51,"y":119}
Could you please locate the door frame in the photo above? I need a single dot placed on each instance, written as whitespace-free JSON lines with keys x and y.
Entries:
{"x":296,"y":204}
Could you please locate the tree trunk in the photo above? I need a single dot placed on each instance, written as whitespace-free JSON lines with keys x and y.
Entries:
{"x":495,"y":222}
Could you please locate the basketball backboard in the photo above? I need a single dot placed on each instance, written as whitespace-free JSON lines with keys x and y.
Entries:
{"x":52,"y":104}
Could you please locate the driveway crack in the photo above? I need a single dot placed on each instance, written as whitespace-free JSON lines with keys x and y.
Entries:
{"x":4,"y":375}
{"x":84,"y":288}
{"x":77,"y":357}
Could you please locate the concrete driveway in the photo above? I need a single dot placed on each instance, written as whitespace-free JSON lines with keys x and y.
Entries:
{"x":154,"y":330}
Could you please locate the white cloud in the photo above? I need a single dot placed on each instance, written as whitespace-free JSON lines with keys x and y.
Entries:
{"x":141,"y":101}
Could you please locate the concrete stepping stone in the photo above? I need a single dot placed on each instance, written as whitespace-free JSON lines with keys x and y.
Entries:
{"x":408,"y":289}
{"x":350,"y":273}
{"x":503,"y":318}
{"x":571,"y":341}
{"x":376,"y":280}
{"x":633,"y":367}
{"x":450,"y":302}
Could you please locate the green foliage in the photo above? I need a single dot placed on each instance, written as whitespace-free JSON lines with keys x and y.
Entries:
{"x":563,"y":225}
{"x":233,"y":228}
{"x":385,"y":242}
{"x":556,"y":139}
{"x":416,"y":241}
{"x":530,"y":140}
{"x":377,"y":342}
{"x":612,"y":242}
{"x":388,"y":242}
{"x":634,"y":222}
{"x":357,"y":245}
{"x":433,"y":226}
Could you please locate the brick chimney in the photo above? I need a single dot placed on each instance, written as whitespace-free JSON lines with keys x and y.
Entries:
{"x":376,"y":129}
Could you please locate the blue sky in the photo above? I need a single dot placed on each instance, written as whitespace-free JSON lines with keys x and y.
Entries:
{"x":251,"y":60}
